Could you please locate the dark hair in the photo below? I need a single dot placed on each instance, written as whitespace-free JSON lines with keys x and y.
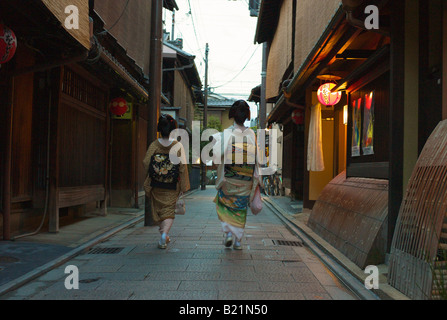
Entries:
{"x":240,"y":112}
{"x":166,"y":124}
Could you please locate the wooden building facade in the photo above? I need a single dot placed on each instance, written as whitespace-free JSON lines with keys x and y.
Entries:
{"x":181,"y":84}
{"x":62,"y":150}
{"x":393,"y":85}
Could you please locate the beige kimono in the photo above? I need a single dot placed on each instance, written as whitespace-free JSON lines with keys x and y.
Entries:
{"x":163,"y":201}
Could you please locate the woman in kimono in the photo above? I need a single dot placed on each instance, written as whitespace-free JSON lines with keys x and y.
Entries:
{"x":166,"y":180}
{"x":238,"y":174}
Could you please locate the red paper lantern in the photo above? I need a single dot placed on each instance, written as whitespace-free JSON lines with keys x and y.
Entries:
{"x":298,"y":117}
{"x":326,"y":96}
{"x":8,"y":44}
{"x":119,"y":106}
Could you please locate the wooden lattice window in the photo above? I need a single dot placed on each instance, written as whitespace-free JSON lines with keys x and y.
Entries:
{"x":83,"y":90}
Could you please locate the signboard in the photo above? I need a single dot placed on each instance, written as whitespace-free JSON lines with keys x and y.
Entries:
{"x":127,"y":115}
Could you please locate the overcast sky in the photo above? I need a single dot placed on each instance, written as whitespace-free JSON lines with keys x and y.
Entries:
{"x":235,"y":62}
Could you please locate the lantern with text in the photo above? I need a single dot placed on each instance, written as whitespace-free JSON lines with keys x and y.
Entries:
{"x":298,"y":117}
{"x":8,"y":44}
{"x":326,"y":96}
{"x":118,"y":106}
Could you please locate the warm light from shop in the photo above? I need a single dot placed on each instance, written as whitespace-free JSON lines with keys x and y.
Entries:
{"x":326,"y":96}
{"x":345,"y":115}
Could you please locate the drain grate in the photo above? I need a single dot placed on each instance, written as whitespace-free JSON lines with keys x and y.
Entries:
{"x":287,"y":243}
{"x":105,"y":250}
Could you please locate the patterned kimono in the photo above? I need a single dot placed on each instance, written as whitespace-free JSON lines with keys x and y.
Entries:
{"x":163,"y":200}
{"x":237,"y":181}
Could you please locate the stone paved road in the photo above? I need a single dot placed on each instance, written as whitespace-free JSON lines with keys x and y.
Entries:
{"x":196,"y":266}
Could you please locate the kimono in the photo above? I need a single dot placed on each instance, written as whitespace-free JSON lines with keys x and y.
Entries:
{"x":163,"y":200}
{"x":237,"y":177}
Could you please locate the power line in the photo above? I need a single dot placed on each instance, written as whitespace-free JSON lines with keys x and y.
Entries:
{"x":116,"y":22}
{"x":195,"y":30}
{"x":242,"y":70}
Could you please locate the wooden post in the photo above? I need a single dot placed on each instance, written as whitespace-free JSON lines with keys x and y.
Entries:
{"x":263,"y":103}
{"x":136,"y":151}
{"x":155,"y":72}
{"x":7,"y":163}
{"x":107,"y":175}
{"x":205,"y":114}
{"x":53,"y":208}
{"x":397,"y":97}
{"x":306,"y":180}
{"x":444,"y":62}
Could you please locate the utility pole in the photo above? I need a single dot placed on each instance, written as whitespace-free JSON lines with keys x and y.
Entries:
{"x":205,"y":114}
{"x":173,"y":26}
{"x":155,"y":78}
{"x":263,"y":104}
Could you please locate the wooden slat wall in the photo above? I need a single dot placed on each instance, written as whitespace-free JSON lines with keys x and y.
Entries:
{"x":22,"y":143}
{"x":183,"y":99}
{"x":133,"y":29}
{"x":280,"y":55}
{"x":57,"y":7}
{"x":419,"y":243}
{"x":122,"y":155}
{"x":81,"y":130}
{"x":311,"y":21}
{"x":82,"y":147}
{"x":351,"y":215}
{"x":22,"y":138}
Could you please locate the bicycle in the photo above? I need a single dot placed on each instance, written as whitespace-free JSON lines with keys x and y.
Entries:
{"x":272,"y":185}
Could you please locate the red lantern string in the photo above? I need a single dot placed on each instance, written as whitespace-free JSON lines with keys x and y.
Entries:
{"x":118,"y":106}
{"x":326,"y":96}
{"x":8,"y":44}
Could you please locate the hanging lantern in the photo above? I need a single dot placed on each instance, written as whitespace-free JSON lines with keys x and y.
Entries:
{"x":298,"y":117}
{"x":8,"y":44}
{"x":326,"y":96}
{"x":119,"y":106}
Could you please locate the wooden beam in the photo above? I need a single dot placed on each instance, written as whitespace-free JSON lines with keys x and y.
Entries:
{"x":396,"y":126}
{"x":368,"y":64}
{"x":346,"y":37}
{"x":444,"y":62}
{"x":355,"y":54}
{"x":53,"y":208}
{"x":6,"y":197}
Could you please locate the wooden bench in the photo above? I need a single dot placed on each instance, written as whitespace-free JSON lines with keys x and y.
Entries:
{"x":74,"y":196}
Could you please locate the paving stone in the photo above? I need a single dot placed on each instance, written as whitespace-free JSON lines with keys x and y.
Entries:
{"x":276,"y":286}
{"x":338,"y":293}
{"x":260,"y":296}
{"x":219,"y":285}
{"x":317,"y":296}
{"x":174,"y":295}
{"x":139,"y":285}
{"x":183,"y":276}
{"x":196,"y":266}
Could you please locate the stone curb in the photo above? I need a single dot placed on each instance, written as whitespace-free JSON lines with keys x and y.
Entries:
{"x":343,"y":274}
{"x":40,"y":271}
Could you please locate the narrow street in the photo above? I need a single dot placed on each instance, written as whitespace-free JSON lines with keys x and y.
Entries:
{"x":196,"y":266}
